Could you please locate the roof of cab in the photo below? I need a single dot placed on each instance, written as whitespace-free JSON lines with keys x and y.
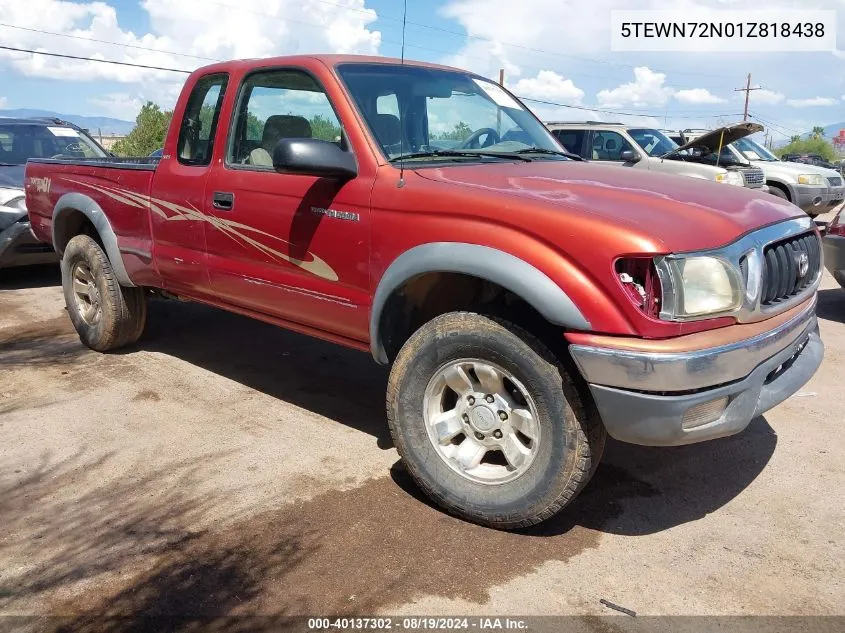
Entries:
{"x":327,"y":60}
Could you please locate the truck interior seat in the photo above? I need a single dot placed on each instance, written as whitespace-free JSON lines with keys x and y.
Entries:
{"x":276,"y":128}
{"x":388,"y":132}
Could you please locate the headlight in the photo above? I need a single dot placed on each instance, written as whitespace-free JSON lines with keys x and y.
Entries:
{"x":698,"y":286}
{"x":811,"y":179}
{"x":731,"y":178}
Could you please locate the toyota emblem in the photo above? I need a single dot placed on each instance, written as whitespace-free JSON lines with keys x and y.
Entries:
{"x":803,"y":264}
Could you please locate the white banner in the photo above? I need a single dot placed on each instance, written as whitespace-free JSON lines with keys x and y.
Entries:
{"x":712,"y":30}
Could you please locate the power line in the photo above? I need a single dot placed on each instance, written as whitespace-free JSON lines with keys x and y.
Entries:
{"x":91,"y":39}
{"x":605,"y":111}
{"x":90,"y":59}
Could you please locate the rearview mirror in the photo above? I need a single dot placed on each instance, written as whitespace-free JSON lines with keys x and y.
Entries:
{"x":629,"y":156}
{"x":313,"y":157}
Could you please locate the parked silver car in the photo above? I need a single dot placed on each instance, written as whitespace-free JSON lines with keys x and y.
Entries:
{"x":641,"y":147}
{"x":815,"y":189}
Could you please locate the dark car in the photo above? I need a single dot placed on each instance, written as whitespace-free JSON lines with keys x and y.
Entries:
{"x":834,"y":247}
{"x":20,"y":140}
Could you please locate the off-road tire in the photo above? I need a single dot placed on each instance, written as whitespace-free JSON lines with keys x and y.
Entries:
{"x":571,"y":442}
{"x":124,"y":309}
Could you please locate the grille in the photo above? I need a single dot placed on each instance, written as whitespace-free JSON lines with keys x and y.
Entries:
{"x":835,"y":181}
{"x":781,"y":271}
{"x":753,"y":177}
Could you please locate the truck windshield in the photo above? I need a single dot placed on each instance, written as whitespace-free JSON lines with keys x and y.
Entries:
{"x":653,"y":142}
{"x":19,"y":142}
{"x":431,"y":114}
{"x":754,"y":151}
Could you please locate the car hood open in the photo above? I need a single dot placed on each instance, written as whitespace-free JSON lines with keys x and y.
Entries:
{"x":712,"y":141}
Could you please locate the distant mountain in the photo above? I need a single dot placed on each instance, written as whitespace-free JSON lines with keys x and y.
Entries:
{"x":833,"y":129}
{"x":94,"y":124}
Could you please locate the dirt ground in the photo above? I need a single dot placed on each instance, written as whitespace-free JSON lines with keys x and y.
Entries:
{"x":224,"y":466}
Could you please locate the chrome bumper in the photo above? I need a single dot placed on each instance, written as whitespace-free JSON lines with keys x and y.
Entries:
{"x":656,"y":372}
{"x":671,"y":399}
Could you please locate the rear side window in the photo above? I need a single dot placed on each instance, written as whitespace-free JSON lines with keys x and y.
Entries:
{"x":199,"y":124}
{"x":572,"y":140}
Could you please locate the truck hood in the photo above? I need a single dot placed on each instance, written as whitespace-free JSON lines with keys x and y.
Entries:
{"x":798,"y":168}
{"x":667,"y":213}
{"x":711,"y":141}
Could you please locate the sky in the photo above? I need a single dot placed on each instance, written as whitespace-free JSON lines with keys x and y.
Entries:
{"x":551,"y":50}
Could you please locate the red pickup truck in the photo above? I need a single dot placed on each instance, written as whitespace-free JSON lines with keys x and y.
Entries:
{"x":530,"y":303}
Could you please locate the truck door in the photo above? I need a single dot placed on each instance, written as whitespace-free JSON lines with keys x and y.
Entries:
{"x":178,"y":190}
{"x":295,"y":247}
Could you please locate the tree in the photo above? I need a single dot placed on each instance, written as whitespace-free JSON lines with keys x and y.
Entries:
{"x":458,"y":133}
{"x":324,"y":129}
{"x":818,"y":146}
{"x":795,"y":138}
{"x":818,"y":132}
{"x":148,"y":134}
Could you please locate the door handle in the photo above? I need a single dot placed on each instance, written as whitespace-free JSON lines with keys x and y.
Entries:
{"x":224,"y":200}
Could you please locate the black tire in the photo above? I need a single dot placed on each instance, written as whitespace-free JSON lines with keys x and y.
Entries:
{"x":565,"y":460}
{"x":777,"y":192}
{"x":123,"y":311}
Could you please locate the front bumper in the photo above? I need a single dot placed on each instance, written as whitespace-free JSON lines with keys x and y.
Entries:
{"x":672,"y":398}
{"x":19,"y":247}
{"x":812,"y":199}
{"x":834,"y":257}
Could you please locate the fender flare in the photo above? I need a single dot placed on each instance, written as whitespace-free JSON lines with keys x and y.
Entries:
{"x":77,"y":202}
{"x":484,"y":262}
{"x":790,"y":187}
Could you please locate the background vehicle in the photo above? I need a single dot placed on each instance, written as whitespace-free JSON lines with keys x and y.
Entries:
{"x":20,"y":140}
{"x":809,"y":159}
{"x":651,"y":149}
{"x":834,"y":248}
{"x":529,"y":304}
{"x":814,"y":189}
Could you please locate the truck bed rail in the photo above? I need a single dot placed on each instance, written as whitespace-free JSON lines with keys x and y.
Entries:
{"x":142,"y":163}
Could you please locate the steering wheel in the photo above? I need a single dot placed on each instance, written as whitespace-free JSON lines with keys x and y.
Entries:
{"x":471,"y":142}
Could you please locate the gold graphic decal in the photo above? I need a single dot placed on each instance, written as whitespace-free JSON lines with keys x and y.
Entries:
{"x":236,"y":231}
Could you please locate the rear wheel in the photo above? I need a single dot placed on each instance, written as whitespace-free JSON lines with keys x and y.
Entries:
{"x":488,"y":423}
{"x":105,"y":314}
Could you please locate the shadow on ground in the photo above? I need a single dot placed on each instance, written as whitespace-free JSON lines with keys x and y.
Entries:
{"x":22,"y":277}
{"x":831,"y":305}
{"x":97,"y":550}
{"x":335,"y":382}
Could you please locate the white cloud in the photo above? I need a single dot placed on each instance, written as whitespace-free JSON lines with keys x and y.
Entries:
{"x":647,"y":89}
{"x":208,"y":31}
{"x":548,"y":86}
{"x":698,"y":96}
{"x":120,"y":105}
{"x":812,"y":102}
{"x":766,"y":97}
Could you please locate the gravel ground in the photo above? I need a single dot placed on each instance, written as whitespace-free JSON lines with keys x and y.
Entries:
{"x":224,"y":466}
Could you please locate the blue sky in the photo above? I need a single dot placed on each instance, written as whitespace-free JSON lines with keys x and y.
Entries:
{"x":553,"y":50}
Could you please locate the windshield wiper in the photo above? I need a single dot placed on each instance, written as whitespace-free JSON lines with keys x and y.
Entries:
{"x":541,"y":150}
{"x":450,"y":153}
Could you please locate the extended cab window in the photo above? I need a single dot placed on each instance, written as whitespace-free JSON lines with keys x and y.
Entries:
{"x":278,"y":104}
{"x":196,"y":135}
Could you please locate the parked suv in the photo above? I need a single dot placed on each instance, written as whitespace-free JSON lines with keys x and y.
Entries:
{"x":648,"y":148}
{"x":815,"y":189}
{"x":20,"y":140}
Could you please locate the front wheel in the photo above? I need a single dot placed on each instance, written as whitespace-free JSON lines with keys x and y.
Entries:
{"x":488,"y":423}
{"x":105,"y":314}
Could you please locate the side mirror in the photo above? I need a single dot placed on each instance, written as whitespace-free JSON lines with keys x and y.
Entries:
{"x":313,"y":157}
{"x":629,"y":156}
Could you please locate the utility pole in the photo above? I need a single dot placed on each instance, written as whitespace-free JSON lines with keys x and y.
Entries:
{"x":747,"y":90}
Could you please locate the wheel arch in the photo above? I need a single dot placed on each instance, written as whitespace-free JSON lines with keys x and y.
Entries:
{"x":72,"y":213}
{"x":475,"y":261}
